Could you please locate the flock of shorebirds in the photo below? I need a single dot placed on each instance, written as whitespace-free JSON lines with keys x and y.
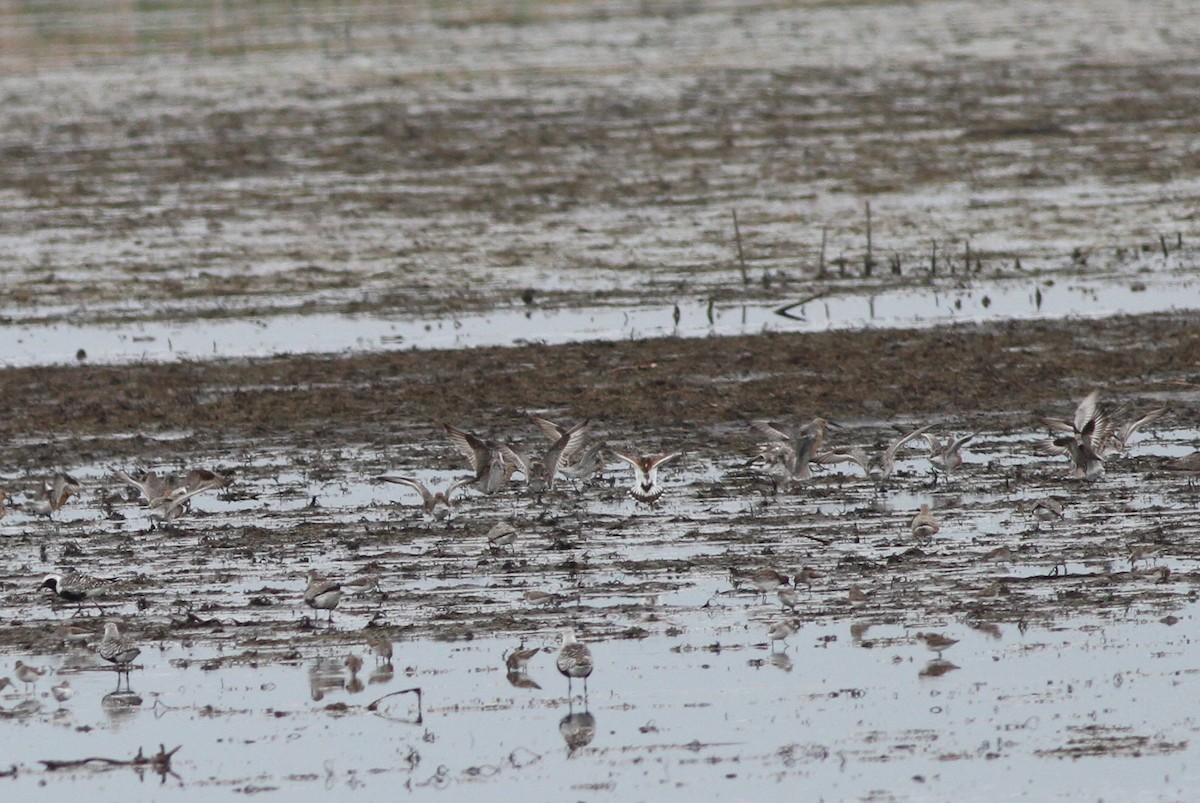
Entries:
{"x":784,"y":455}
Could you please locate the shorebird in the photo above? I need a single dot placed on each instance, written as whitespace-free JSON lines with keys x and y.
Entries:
{"x":148,"y":483}
{"x":540,"y":472}
{"x":1082,"y":438}
{"x":574,"y":660}
{"x":584,"y":461}
{"x":1189,"y":462}
{"x":437,"y":505}
{"x":946,"y":457}
{"x":646,"y":489}
{"x":362,"y":584}
{"x":175,"y":502}
{"x":778,"y":460}
{"x":322,"y":594}
{"x":381,"y":648}
{"x":802,"y":443}
{"x":1118,"y":441}
{"x":117,"y":649}
{"x":518,"y":659}
{"x":879,"y":468}
{"x":780,"y":631}
{"x":936,"y":642}
{"x":26,"y":674}
{"x":493,"y":462}
{"x":75,"y":587}
{"x":502,"y":534}
{"x":62,"y":692}
{"x":767,"y":580}
{"x":1048,"y":509}
{"x":54,"y":494}
{"x":925,"y":525}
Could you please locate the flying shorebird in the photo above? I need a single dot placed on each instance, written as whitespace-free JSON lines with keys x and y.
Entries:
{"x":493,"y":462}
{"x":540,"y":473}
{"x":798,"y":446}
{"x":574,"y":660}
{"x":880,"y":468}
{"x":588,"y":458}
{"x":1118,"y":441}
{"x":646,"y":489}
{"x":946,"y":456}
{"x":437,"y":505}
{"x":54,"y":494}
{"x":322,"y":594}
{"x":1082,"y":438}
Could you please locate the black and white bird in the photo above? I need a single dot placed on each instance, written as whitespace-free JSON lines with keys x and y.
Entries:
{"x":646,"y":489}
{"x":117,"y":649}
{"x":75,"y":587}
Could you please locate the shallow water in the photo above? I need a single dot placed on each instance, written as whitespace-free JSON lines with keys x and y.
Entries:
{"x":200,"y":182}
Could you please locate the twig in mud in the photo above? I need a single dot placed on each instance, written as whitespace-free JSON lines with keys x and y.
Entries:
{"x":374,"y":705}
{"x":786,"y":309}
{"x":822,"y":273}
{"x":869,"y":261}
{"x":159,"y":762}
{"x":1162,"y":240}
{"x":737,"y":237}
{"x":642,"y":366}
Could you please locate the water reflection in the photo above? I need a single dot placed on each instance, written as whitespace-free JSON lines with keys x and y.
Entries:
{"x":577,"y":730}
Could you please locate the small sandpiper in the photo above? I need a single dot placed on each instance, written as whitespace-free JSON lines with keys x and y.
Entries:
{"x":381,"y":648}
{"x":1118,"y":442}
{"x":437,"y":505}
{"x":62,"y":692}
{"x":26,"y":674}
{"x":502,"y":534}
{"x":540,"y":474}
{"x":1048,"y":510}
{"x":925,"y":525}
{"x":518,"y":659}
{"x":946,"y":457}
{"x":1082,"y":438}
{"x":574,"y":660}
{"x":322,"y":594}
{"x":493,"y":463}
{"x":646,"y":489}
{"x":54,"y":494}
{"x":936,"y":642}
{"x":803,"y":443}
{"x":779,"y":632}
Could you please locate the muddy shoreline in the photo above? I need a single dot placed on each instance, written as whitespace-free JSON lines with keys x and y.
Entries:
{"x":1009,"y":372}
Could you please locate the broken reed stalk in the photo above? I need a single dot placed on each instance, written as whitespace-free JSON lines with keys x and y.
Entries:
{"x":737,"y":236}
{"x":161,"y":761}
{"x":1162,"y":240}
{"x":869,"y":262}
{"x":933,"y":259}
{"x":821,"y":272}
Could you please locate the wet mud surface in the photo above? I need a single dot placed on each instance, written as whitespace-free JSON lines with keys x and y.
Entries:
{"x":451,"y":160}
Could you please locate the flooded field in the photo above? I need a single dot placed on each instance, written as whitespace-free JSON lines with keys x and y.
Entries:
{"x":288,"y":243}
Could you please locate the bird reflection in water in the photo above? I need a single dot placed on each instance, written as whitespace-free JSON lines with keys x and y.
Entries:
{"x":577,"y":730}
{"x":516,"y":664}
